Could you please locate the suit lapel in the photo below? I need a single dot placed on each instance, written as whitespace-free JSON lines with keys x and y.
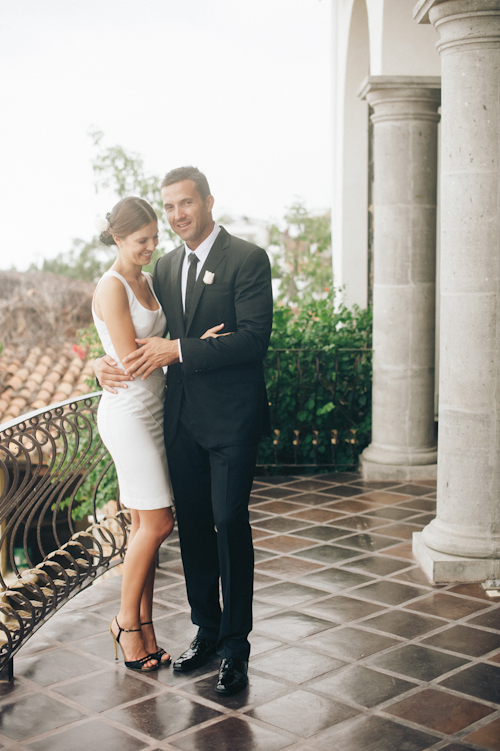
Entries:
{"x":176,"y":287}
{"x":217,"y":253}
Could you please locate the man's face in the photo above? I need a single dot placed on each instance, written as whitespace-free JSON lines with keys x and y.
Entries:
{"x":188,"y":214}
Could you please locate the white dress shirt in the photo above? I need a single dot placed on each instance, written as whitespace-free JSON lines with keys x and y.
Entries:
{"x":202,"y":252}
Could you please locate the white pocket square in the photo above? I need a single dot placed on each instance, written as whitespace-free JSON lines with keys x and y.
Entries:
{"x":209,"y":277}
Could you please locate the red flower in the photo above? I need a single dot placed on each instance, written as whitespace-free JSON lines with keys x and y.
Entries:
{"x":78,"y":351}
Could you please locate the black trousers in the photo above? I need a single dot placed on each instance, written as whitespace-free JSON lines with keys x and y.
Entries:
{"x":212,"y":489}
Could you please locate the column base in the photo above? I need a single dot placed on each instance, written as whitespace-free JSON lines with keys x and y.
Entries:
{"x":375,"y":471}
{"x":442,"y":568}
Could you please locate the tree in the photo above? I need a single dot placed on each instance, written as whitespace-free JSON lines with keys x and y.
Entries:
{"x":301,"y":256}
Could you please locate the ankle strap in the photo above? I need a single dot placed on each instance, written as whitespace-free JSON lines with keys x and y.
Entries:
{"x":148,"y":623}
{"x":126,"y":630}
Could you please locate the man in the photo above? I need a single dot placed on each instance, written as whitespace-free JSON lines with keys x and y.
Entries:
{"x":216,"y":411}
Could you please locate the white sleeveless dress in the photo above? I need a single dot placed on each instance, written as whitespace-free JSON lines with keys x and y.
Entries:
{"x":131,"y":422}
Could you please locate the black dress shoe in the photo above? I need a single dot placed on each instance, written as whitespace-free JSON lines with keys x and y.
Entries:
{"x":199,"y":652}
{"x":232,"y":676}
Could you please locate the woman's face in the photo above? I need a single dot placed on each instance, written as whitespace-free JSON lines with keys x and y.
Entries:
{"x":138,"y":247}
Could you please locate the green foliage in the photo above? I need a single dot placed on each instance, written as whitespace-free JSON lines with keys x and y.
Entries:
{"x":101,"y":480}
{"x":322,"y":383}
{"x":302,"y":256}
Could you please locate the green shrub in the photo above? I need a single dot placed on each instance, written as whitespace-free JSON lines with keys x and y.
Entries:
{"x":318,"y":377}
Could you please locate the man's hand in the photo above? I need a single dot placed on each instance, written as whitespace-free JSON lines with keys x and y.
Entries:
{"x":153,"y":353}
{"x":109,"y":376}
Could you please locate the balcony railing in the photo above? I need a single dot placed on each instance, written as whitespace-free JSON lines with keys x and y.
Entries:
{"x":320,"y":401}
{"x":55,"y":475}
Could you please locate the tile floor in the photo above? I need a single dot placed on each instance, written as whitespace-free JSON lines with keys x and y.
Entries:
{"x":353,"y":649}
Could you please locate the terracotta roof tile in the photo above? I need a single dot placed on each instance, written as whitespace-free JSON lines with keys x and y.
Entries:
{"x":39,"y":378}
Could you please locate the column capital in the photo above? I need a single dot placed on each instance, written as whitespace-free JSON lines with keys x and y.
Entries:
{"x":402,"y":97}
{"x":469,"y":23}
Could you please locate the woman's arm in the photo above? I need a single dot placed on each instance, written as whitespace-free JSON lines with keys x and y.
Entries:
{"x":111,"y":304}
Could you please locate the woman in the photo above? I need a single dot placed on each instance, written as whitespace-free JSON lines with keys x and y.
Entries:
{"x":130,"y":423}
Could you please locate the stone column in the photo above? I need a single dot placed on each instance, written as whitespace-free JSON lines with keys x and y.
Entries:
{"x":405,"y":123}
{"x":466,"y":532}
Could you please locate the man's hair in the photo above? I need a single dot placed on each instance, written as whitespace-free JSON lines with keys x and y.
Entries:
{"x":188,"y":173}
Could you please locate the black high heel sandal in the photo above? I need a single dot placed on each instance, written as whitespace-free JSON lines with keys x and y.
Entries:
{"x":131,"y":664}
{"x":159,"y":654}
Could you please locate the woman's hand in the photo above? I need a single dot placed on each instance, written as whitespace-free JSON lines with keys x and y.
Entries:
{"x":213,"y":332}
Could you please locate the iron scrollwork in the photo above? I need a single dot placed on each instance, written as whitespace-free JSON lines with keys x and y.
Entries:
{"x":55,"y":474}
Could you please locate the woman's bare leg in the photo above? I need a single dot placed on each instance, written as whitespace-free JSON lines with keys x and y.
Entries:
{"x":149,"y":529}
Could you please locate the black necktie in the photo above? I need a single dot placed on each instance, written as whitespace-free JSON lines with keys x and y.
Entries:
{"x":193,"y":261}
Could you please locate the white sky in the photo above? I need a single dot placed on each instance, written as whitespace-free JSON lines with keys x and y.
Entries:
{"x":239,"y":88}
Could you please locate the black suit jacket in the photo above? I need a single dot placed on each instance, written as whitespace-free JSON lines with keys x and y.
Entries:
{"x":221,"y":380}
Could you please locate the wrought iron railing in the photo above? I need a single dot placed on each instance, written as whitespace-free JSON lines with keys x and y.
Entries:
{"x":56,"y":480}
{"x":320,"y":401}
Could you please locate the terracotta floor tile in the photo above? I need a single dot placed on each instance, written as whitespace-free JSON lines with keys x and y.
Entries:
{"x":321,"y":533}
{"x":343,"y":609}
{"x":314,"y":499}
{"x":297,"y":664}
{"x":343,"y":491}
{"x":319,"y":515}
{"x":106,"y":691}
{"x":489,"y":619}
{"x":407,"y":625}
{"x":392,"y":513}
{"x":56,"y":665}
{"x":279,"y":507}
{"x":281,"y":524}
{"x":400,"y":551}
{"x":290,"y":594}
{"x":260,"y":688}
{"x":378,"y":565}
{"x":366,"y":542}
{"x":481,"y":681}
{"x":389,"y":592}
{"x":420,"y":504}
{"x":471,"y":590}
{"x":446,"y":606}
{"x":274,"y":492}
{"x":384,"y":497}
{"x":439,"y":711}
{"x":287,"y":566}
{"x":303,"y":713}
{"x":465,"y":640}
{"x":282,"y":543}
{"x":292,"y":625}
{"x":488,"y":736}
{"x":329,"y":554}
{"x":495,"y":658}
{"x":376,"y":484}
{"x":351,"y":507}
{"x":374,"y":734}
{"x":418,"y":662}
{"x":335,"y":580}
{"x":413,"y":575}
{"x":258,"y":534}
{"x":163,"y":715}
{"x":362,"y":686}
{"x":91,"y":735}
{"x":230,"y":734}
{"x":312,"y":485}
{"x":351,"y":643}
{"x":400,"y":531}
{"x":33,"y":715}
{"x":412,"y":489}
{"x":358,"y":523}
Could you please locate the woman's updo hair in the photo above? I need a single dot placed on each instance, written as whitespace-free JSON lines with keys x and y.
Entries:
{"x":129,"y":215}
